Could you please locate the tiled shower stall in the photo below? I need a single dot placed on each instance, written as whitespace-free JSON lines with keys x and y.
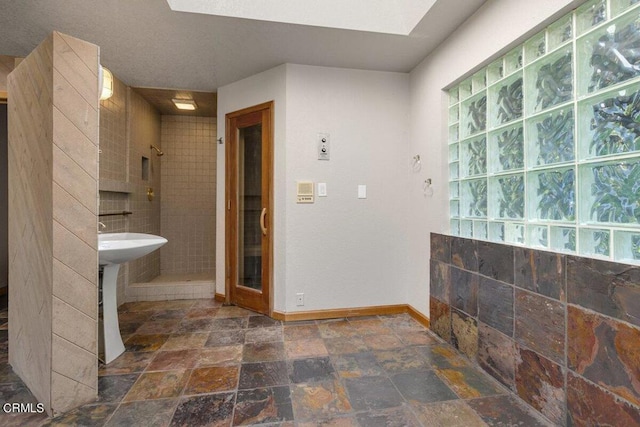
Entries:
{"x":182,"y":208}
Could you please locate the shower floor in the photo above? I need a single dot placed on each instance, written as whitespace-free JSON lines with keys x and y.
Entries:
{"x":173,"y":286}
{"x":183,"y":278}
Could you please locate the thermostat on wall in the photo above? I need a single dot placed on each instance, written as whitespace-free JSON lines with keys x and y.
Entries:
{"x":305,"y":192}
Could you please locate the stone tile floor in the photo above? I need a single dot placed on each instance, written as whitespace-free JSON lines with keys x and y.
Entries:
{"x":196,"y":363}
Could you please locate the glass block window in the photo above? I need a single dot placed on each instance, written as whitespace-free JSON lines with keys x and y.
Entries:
{"x":544,"y":143}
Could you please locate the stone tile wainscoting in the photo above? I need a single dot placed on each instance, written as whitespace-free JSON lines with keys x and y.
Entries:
{"x":561,"y":331}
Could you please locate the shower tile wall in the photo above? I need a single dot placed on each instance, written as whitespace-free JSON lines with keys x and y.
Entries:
{"x":113,"y":134}
{"x":188,"y":194}
{"x":113,"y":164}
{"x":560,"y":331}
{"x":144,"y":130}
{"x":128,"y":126}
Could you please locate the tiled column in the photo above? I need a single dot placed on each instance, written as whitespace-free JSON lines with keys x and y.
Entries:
{"x":53,"y":170}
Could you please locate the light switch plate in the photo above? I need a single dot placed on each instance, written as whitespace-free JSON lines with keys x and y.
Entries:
{"x":322,"y":189}
{"x":362,"y":191}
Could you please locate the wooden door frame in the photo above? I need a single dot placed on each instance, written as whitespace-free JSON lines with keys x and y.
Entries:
{"x":231,"y":203}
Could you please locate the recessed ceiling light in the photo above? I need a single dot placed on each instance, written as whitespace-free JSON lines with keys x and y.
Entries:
{"x":185,"y":104}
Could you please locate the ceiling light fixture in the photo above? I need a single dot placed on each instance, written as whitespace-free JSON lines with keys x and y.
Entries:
{"x":106,"y":89}
{"x":185,"y":104}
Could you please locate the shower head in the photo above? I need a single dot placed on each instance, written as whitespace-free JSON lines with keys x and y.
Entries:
{"x":160,"y":153}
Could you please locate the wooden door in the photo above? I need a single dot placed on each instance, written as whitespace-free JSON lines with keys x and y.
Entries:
{"x":249,"y":217}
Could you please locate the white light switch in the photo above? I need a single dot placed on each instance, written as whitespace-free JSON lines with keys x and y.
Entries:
{"x":322,"y":189}
{"x":362,"y":191}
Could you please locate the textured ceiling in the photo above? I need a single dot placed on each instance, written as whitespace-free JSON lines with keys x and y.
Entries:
{"x":146,"y":44}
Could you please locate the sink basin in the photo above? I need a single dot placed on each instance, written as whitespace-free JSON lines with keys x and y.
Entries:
{"x":115,"y":249}
{"x":118,"y":248}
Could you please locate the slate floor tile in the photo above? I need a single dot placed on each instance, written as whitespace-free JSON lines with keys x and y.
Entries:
{"x":423,"y":387}
{"x":263,"y":374}
{"x":321,"y":400}
{"x":369,"y":393}
{"x":505,"y":411}
{"x":263,"y":405}
{"x":145,"y":412}
{"x":224,"y":366}
{"x":158,"y":385}
{"x":212,"y":380}
{"x":204,"y":410}
{"x":310,"y":370}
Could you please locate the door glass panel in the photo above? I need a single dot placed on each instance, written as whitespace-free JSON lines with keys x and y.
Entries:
{"x":250,"y":203}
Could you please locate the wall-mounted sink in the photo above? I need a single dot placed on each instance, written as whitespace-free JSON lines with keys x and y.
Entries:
{"x":115,"y":249}
{"x":118,"y":248}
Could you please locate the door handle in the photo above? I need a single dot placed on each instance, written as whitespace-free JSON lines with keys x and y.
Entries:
{"x":262,"y":217}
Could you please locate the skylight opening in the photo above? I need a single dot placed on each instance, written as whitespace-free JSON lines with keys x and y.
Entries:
{"x":399,"y":17}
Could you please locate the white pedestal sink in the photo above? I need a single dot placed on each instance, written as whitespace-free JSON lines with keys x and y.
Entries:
{"x":115,"y":249}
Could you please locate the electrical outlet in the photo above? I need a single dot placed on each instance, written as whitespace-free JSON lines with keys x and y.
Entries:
{"x":300,"y":298}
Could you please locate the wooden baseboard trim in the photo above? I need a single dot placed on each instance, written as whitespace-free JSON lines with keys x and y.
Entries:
{"x":219,"y":297}
{"x":380,"y":310}
{"x":419,"y":317}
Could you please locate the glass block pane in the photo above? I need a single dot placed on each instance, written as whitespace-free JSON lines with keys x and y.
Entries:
{"x":454,"y":114}
{"x":506,"y":196}
{"x":454,"y":190}
{"x":549,"y":81}
{"x":466,"y":228}
{"x":473,"y":154}
{"x":514,"y":233}
{"x":453,"y":152}
{"x":538,"y":236}
{"x":535,"y":47}
{"x":609,"y":123}
{"x":495,"y":71}
{"x":610,"y":55}
{"x":513,"y":60}
{"x":474,"y":115}
{"x":563,"y":239}
{"x":454,"y":224}
{"x":464,"y":90}
{"x":626,"y":246}
{"x":496,"y":231}
{"x":454,"y":172}
{"x":619,"y":6}
{"x":506,"y":100}
{"x":454,"y":208}
{"x":506,"y":149}
{"x":480,"y":230}
{"x":479,"y":81}
{"x":595,"y":242}
{"x":550,"y":138}
{"x":610,"y":192}
{"x":560,"y":32}
{"x":591,"y":14}
{"x":473,"y":198}
{"x":454,"y":133}
{"x":454,"y":96}
{"x":552,"y":195}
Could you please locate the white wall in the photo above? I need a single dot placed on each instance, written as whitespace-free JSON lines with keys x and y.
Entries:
{"x":341,"y":252}
{"x":498,"y":26}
